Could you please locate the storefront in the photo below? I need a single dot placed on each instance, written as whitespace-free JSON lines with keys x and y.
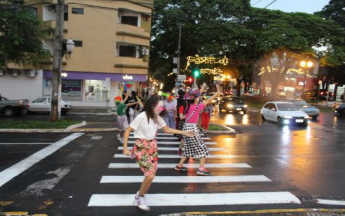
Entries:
{"x":83,"y":88}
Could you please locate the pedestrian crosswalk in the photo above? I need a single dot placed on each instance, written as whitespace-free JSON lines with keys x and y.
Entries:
{"x":167,"y":147}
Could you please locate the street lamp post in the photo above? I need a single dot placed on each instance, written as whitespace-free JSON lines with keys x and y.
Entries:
{"x":179,"y":53}
{"x":305,"y":65}
{"x":318,"y":94}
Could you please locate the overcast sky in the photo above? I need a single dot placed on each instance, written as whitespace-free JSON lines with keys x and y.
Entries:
{"x":306,"y":6}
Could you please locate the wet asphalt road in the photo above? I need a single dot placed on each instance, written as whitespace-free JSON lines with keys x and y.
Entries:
{"x":307,"y":162}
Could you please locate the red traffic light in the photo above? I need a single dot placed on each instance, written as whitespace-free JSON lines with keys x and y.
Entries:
{"x":190,"y":80}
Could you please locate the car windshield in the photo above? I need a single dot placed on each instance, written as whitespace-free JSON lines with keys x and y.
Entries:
{"x":300,"y":103}
{"x":39,"y":100}
{"x":233,"y":99}
{"x":286,"y":107}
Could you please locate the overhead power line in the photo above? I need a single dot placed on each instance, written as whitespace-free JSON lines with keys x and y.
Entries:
{"x":270,"y":3}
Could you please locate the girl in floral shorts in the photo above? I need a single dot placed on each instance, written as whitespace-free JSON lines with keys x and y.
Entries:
{"x":145,"y":127}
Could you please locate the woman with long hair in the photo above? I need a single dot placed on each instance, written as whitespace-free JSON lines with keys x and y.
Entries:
{"x":195,"y":146}
{"x":145,"y":127}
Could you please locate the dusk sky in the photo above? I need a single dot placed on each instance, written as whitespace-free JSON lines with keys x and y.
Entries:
{"x":306,"y":6}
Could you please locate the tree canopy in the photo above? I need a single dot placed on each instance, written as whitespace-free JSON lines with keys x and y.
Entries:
{"x":21,"y":35}
{"x":244,"y":34}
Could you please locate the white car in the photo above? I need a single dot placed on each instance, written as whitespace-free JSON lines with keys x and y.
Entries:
{"x":43,"y":104}
{"x":284,"y":113}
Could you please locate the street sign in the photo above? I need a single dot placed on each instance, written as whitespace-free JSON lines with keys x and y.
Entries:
{"x":181,"y":77}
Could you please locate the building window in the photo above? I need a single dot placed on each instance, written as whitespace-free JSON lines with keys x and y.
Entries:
{"x":77,"y":10}
{"x":130,"y":20}
{"x":65,"y":13}
{"x":128,"y":51}
{"x":78,"y":43}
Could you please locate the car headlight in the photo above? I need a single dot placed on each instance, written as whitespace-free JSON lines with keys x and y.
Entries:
{"x":287,"y":117}
{"x":306,"y":117}
{"x":245,"y":106}
{"x":230,"y":105}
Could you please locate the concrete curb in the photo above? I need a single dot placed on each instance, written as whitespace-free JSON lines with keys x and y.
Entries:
{"x":66,"y":130}
{"x":229,"y":131}
{"x":280,"y":212}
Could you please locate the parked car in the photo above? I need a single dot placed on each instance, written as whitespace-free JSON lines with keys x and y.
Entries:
{"x":233,"y":104}
{"x":13,"y":107}
{"x":340,"y":109}
{"x":307,"y":108}
{"x":284,"y":113}
{"x":43,"y":104}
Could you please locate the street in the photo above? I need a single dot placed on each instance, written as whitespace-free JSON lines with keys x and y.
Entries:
{"x":264,"y":166}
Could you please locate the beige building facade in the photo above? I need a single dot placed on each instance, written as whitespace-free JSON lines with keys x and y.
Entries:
{"x":112,"y":40}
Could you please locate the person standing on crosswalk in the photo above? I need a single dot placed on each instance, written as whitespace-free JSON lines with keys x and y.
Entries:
{"x":195,"y":146}
{"x":121,"y":118}
{"x":145,"y":127}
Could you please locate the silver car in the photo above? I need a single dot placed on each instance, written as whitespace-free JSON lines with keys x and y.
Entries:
{"x":312,"y":111}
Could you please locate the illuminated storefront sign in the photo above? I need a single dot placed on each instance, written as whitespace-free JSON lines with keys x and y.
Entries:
{"x":126,"y":77}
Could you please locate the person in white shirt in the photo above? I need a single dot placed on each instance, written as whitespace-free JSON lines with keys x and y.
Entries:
{"x":145,"y":127}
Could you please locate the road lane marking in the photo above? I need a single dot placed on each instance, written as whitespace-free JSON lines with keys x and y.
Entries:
{"x":208,"y":199}
{"x":171,"y":166}
{"x":11,"y":172}
{"x":171,"y":142}
{"x":177,"y":156}
{"x":186,"y":179}
{"x":175,"y":149}
{"x":25,"y":143}
{"x":330,"y":202}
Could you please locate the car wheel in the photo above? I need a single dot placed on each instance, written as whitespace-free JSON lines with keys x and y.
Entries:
{"x":244,"y":112}
{"x":9,"y":112}
{"x":263,"y":117}
{"x":314,"y":117}
{"x":279,"y":120}
{"x":64,"y":112}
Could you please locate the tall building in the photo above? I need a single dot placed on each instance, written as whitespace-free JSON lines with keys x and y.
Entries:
{"x":112,"y":40}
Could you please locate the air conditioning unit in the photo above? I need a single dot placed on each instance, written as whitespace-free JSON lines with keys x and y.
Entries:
{"x":145,"y":51}
{"x":52,"y":7}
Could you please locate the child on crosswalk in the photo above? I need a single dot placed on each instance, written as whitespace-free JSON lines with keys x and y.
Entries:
{"x":145,"y":127}
{"x":195,"y":146}
{"x":121,"y":118}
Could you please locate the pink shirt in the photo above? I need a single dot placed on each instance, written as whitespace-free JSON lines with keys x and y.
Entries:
{"x":195,"y":117}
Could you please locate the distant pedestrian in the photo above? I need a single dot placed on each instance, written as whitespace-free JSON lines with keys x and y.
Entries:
{"x":195,"y":146}
{"x":121,"y":118}
{"x":205,"y":116}
{"x":145,"y":127}
{"x":170,"y":111}
{"x":147,"y":93}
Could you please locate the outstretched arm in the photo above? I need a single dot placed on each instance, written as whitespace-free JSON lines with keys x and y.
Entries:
{"x":213,"y":96}
{"x":167,"y":129}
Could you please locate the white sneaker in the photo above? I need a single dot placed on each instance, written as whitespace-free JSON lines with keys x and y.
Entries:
{"x":121,"y":140}
{"x":118,"y":137}
{"x":140,"y":202}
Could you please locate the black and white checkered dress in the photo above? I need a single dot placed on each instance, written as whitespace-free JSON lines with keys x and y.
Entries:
{"x":194,"y":146}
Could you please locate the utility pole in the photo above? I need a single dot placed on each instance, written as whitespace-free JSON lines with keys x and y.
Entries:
{"x":179,"y":52}
{"x":57,"y":63}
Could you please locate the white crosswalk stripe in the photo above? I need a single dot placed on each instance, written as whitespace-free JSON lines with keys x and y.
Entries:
{"x":186,"y":179}
{"x":171,"y":166}
{"x":156,"y":198}
{"x":177,"y":156}
{"x":171,"y":142}
{"x":175,"y":148}
{"x":172,"y":138}
{"x":184,"y":199}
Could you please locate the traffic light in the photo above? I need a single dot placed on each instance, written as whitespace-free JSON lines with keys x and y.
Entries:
{"x":196,"y":72}
{"x":190,"y":80}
